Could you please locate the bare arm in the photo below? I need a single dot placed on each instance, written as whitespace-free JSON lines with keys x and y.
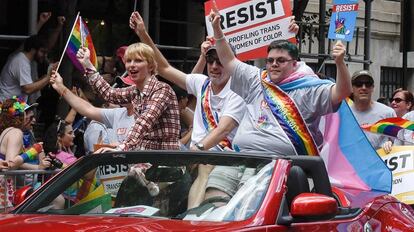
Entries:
{"x":13,"y":148}
{"x":198,"y":188}
{"x":343,"y":86}
{"x":36,"y":86}
{"x":54,"y":35}
{"x":224,"y":52}
{"x":225,"y":126}
{"x":164,"y":68}
{"x":201,"y":62}
{"x":78,"y":104}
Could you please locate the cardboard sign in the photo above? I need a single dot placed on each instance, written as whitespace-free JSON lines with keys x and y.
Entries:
{"x":251,"y":25}
{"x":401,"y":162}
{"x":343,"y":19}
{"x":111,"y":176}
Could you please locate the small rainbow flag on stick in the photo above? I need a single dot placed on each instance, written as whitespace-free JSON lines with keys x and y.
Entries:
{"x":390,"y":126}
{"x":79,"y":37}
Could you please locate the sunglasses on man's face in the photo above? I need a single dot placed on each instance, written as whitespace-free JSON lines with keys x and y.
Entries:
{"x":279,"y":61}
{"x":359,"y":84}
{"x":396,"y":100}
{"x":211,"y":59}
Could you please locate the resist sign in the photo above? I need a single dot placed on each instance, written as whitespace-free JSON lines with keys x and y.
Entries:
{"x":250,"y":26}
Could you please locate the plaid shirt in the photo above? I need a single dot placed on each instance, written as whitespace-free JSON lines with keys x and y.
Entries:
{"x":156,"y":113}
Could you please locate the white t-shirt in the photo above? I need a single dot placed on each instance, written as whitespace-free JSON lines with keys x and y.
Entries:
{"x":225,"y":103}
{"x":118,"y":120}
{"x":377,"y":112}
{"x":15,"y":73}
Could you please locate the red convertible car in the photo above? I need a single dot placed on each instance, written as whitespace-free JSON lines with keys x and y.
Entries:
{"x":150,"y":191}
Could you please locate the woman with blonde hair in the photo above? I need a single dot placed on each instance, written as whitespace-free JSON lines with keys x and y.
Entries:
{"x":156,"y":111}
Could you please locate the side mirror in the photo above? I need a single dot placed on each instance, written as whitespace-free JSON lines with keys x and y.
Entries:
{"x":21,"y":194}
{"x":313,"y":205}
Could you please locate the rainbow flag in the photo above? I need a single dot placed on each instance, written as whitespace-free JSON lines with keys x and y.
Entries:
{"x":80,"y":35}
{"x":390,"y":126}
{"x":350,"y":159}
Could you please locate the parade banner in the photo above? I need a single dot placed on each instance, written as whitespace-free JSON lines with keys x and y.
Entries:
{"x":401,"y":163}
{"x":343,"y":19}
{"x":251,"y":25}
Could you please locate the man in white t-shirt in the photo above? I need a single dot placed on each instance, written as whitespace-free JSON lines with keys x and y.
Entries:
{"x":217,"y":114}
{"x":16,"y":75}
{"x":366,"y":110}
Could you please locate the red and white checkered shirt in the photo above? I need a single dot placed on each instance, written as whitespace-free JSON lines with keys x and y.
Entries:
{"x":156,"y":112}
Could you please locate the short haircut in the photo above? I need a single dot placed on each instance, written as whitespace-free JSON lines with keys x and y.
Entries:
{"x":34,"y":42}
{"x":144,"y":52}
{"x":291,"y":48}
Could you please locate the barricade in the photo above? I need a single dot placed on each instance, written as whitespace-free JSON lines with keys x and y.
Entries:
{"x":12,"y":180}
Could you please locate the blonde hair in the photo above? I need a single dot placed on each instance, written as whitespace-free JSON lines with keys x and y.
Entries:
{"x":143,"y":51}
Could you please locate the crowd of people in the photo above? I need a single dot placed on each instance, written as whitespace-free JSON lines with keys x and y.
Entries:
{"x":237,"y":107}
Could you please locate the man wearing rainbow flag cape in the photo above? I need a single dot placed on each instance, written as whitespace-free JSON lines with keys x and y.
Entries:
{"x":285,"y":101}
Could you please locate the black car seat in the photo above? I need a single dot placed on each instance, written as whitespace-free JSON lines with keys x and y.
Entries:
{"x":297,"y":183}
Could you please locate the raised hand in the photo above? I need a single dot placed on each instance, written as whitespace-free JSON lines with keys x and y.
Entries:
{"x":61,"y":20}
{"x":83,"y":58}
{"x":44,"y":16}
{"x":136,"y":22}
{"x":206,"y":45}
{"x":338,"y":51}
{"x":56,"y":81}
{"x":214,"y":17}
{"x":293,"y":27}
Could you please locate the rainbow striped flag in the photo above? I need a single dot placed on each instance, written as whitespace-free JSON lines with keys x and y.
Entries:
{"x":390,"y":126}
{"x":80,"y":36}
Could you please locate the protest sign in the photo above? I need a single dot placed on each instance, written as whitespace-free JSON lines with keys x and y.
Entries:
{"x":344,"y":13}
{"x":401,"y":162}
{"x":250,"y":26}
{"x":111,"y":176}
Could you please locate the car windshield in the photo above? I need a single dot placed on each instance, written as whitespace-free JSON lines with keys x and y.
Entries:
{"x":178,"y":185}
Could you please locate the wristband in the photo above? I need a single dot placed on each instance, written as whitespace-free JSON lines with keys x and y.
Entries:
{"x":221,"y":38}
{"x":89,"y":72}
{"x":32,"y":153}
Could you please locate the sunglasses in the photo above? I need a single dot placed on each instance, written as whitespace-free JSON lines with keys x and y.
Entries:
{"x":211,"y":59}
{"x":359,"y":84}
{"x":279,"y":61}
{"x":397,"y":100}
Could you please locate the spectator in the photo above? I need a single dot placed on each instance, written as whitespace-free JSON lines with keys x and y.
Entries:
{"x":58,"y":142}
{"x":12,"y":118}
{"x":15,"y":77}
{"x":402,"y":102}
{"x":366,"y":110}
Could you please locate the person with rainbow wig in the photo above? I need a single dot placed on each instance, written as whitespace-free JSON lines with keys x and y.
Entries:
{"x":12,"y":153}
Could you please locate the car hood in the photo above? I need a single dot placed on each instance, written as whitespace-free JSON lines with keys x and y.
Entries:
{"x":61,"y":223}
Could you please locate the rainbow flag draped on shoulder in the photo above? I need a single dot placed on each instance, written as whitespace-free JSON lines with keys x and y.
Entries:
{"x":80,"y":36}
